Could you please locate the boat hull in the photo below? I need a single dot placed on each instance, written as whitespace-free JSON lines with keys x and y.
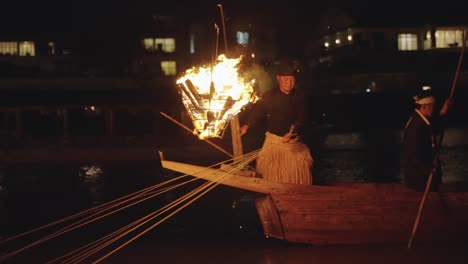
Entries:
{"x":347,"y":213}
{"x":364,"y":214}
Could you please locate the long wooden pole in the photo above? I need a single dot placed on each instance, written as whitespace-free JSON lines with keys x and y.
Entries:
{"x":224,"y":29}
{"x":188,"y":129}
{"x":236,"y":138}
{"x":429,"y":179}
{"x":421,"y":206}
{"x":460,"y":60}
{"x":217,"y":45}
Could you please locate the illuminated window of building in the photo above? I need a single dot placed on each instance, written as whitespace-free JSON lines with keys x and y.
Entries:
{"x":26,"y":48}
{"x":428,"y":40}
{"x":169,"y":68}
{"x":242,"y":38}
{"x":165,"y":44}
{"x":449,"y":38}
{"x":9,"y":48}
{"x":192,"y":43}
{"x":148,"y":43}
{"x":407,"y":41}
{"x":51,"y":48}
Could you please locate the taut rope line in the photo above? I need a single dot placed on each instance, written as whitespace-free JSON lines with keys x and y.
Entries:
{"x":142,"y":195}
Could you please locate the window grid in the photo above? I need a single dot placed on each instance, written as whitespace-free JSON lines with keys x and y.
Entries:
{"x":26,"y":48}
{"x":169,"y":68}
{"x":407,"y":41}
{"x":166,"y":44}
{"x":448,"y":38}
{"x":9,"y":48}
{"x":163,"y":44}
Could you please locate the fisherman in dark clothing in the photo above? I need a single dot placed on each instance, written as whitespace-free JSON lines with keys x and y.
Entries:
{"x":420,"y":155}
{"x":283,"y":157}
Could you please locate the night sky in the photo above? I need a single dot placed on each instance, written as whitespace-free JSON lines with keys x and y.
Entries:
{"x":54,"y":15}
{"x":295,"y":20}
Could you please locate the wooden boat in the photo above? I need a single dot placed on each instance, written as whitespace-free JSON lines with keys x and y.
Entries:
{"x":347,"y":213}
{"x":351,"y":213}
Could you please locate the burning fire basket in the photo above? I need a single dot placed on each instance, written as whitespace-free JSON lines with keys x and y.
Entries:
{"x":214,"y":95}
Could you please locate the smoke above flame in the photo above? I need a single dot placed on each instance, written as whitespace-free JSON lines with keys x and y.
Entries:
{"x":213,"y":95}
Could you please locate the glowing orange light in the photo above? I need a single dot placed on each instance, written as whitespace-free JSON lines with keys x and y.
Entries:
{"x":213,"y":95}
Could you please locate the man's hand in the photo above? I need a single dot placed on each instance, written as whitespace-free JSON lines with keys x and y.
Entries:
{"x":243,"y":130}
{"x":286,"y":137}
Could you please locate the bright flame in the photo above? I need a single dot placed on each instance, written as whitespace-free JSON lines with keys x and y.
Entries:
{"x":214,"y":95}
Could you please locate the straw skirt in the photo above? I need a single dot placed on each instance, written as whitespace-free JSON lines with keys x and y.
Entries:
{"x":289,"y":162}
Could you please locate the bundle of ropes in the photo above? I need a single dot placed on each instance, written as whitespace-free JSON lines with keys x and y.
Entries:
{"x":98,"y":250}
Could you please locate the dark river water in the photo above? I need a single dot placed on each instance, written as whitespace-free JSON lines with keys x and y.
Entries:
{"x":221,"y":226}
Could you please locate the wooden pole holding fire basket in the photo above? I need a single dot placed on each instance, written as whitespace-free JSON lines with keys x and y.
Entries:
{"x":236,"y":139}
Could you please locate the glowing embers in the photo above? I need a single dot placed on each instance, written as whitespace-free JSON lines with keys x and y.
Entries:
{"x":213,"y":95}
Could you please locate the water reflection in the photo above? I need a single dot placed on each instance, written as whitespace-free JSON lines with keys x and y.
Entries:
{"x":91,"y":176}
{"x":373,"y":155}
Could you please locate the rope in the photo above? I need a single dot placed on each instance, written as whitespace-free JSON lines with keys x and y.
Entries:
{"x":99,"y":212}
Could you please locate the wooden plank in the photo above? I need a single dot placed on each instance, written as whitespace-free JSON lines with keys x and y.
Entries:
{"x":325,"y":234}
{"x":246,"y":183}
{"x":269,"y":217}
{"x":235,"y":137}
{"x":345,"y":237}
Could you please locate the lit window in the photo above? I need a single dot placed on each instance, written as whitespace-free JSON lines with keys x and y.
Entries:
{"x":449,"y":38}
{"x":51,"y":48}
{"x":326,"y":44}
{"x":350,"y":37}
{"x":427,"y":44}
{"x":407,"y":41}
{"x":26,"y":48}
{"x":337,"y":41}
{"x":169,"y":67}
{"x":148,"y":44}
{"x":428,"y":35}
{"x":192,"y":43}
{"x":242,"y":38}
{"x":165,"y":44}
{"x":9,"y":48}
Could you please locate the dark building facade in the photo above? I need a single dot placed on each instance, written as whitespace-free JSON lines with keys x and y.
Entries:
{"x":355,"y":55}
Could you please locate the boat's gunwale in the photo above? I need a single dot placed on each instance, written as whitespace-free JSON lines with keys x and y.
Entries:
{"x":263,"y":186}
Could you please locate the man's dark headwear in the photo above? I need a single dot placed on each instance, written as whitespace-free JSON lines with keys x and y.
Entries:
{"x":424,"y":96}
{"x":287,"y":68}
